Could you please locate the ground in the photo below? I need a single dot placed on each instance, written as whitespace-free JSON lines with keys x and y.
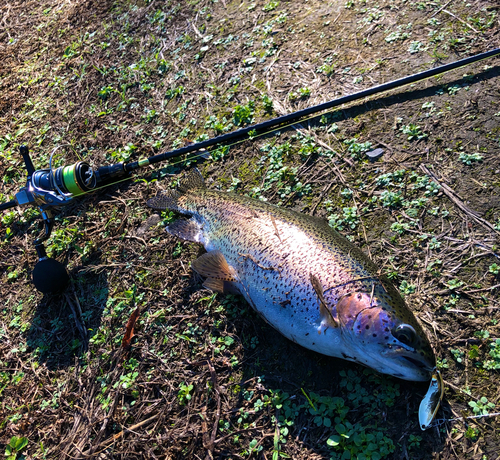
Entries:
{"x":204,"y":376}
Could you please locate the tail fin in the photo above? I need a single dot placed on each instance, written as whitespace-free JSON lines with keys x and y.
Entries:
{"x":169,"y":199}
{"x":164,"y":200}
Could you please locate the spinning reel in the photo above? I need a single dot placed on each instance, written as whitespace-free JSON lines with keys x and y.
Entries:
{"x":49,"y":190}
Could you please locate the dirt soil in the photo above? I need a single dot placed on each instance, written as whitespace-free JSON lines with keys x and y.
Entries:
{"x":204,"y":377}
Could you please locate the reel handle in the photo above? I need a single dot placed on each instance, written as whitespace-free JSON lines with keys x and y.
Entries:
{"x":8,"y":205}
{"x":23,"y":149}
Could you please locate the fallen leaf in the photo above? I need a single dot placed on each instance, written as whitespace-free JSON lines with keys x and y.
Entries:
{"x":129,"y":331}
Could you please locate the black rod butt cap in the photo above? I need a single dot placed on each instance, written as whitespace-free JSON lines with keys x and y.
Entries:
{"x":50,"y":276}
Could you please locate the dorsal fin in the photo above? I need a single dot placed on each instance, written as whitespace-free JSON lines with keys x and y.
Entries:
{"x":191,"y":181}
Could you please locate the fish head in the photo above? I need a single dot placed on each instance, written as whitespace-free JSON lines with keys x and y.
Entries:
{"x":384,"y":334}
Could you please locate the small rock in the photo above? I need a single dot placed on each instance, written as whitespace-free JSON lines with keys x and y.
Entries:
{"x":375,"y":154}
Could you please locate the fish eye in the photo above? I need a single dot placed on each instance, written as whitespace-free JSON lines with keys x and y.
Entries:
{"x":405,"y":334}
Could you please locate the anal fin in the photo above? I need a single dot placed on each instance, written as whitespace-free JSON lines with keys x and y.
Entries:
{"x":213,"y":264}
{"x":187,"y":229}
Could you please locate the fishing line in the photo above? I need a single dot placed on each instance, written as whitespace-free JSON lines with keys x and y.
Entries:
{"x":51,"y":189}
{"x":302,"y":116}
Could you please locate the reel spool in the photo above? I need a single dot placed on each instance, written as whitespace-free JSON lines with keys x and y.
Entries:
{"x":72,"y":180}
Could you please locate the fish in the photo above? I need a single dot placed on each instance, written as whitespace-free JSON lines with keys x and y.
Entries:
{"x":303,"y":277}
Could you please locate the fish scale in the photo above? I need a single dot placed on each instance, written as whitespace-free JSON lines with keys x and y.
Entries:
{"x":304,"y":278}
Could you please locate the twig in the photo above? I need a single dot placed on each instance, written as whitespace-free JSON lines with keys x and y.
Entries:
{"x":482,"y":290}
{"x":325,"y":190}
{"x":450,"y":193}
{"x":211,"y":442}
{"x":442,"y":8}
{"x":444,"y":420}
{"x":461,"y":20}
{"x":117,"y":436}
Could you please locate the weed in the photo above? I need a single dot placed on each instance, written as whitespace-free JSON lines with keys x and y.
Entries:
{"x":123,"y":153}
{"x":482,"y":406}
{"x":416,"y":47}
{"x":328,"y":67}
{"x":407,"y":288}
{"x":15,"y":446}
{"x":354,"y":441}
{"x":442,"y":363}
{"x":219,"y":126}
{"x":267,"y":102}
{"x":349,"y":219}
{"x":357,"y":148}
{"x":413,"y":131}
{"x":105,"y":92}
{"x":454,"y":284}
{"x":391,"y":199}
{"x":302,"y":93}
{"x":469,"y":158}
{"x":184,"y":394}
{"x":495,"y":354}
{"x":494,"y":269}
{"x":397,"y":35}
{"x":272,"y":5}
{"x":174,"y":91}
{"x":472,"y":433}
{"x":243,"y":114}
{"x":458,"y":355}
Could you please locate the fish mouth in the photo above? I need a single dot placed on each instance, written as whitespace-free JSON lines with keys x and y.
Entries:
{"x":418,"y":363}
{"x":416,"y":369}
{"x":408,"y":365}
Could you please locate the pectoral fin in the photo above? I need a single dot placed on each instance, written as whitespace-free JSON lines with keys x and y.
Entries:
{"x":213,"y":265}
{"x":432,"y":400}
{"x":226,"y":287}
{"x":325,"y":313}
{"x":214,"y":284}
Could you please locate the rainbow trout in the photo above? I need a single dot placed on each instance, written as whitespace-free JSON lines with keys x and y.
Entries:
{"x":304,"y":278}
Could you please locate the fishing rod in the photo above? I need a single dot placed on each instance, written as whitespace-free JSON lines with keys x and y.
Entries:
{"x":50,"y":189}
